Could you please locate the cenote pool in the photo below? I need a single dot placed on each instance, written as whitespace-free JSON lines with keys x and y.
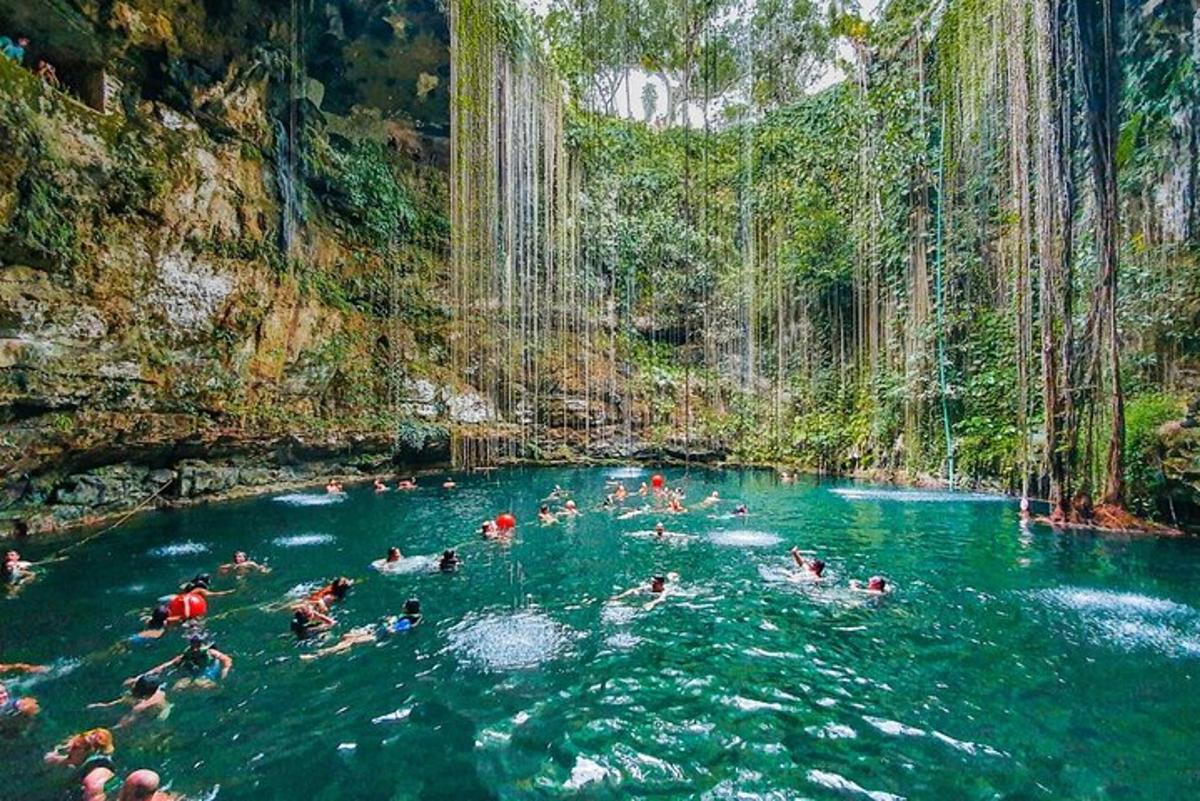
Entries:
{"x":1008,"y":663}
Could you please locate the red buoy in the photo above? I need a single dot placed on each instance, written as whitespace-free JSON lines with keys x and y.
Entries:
{"x":506,"y":521}
{"x":656,"y":481}
{"x":188,"y":605}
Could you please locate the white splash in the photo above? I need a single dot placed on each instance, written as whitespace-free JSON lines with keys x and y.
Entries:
{"x":310,"y":498}
{"x":914,"y":496}
{"x":302,"y":540}
{"x":1125,"y":603}
{"x":1130,"y":621}
{"x":179,"y":549}
{"x":508,"y":641}
{"x":841,"y":784}
{"x":587,"y":771}
{"x":744,"y":538}
{"x":406,"y":565}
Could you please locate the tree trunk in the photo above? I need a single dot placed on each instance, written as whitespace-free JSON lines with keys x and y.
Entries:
{"x":1098,"y":31}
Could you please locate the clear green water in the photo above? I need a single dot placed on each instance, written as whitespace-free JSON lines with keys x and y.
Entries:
{"x":1009,"y":663}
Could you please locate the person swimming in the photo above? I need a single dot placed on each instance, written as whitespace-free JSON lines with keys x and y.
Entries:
{"x":620,"y":493}
{"x":156,"y":625}
{"x":570,"y":509}
{"x":147,"y":698}
{"x":307,"y":622}
{"x":657,"y":586}
{"x":332,"y":592}
{"x":15,"y":570}
{"x":644,"y":489}
{"x":877,"y":585}
{"x":449,"y":561}
{"x":796,"y":556}
{"x":17,"y":706}
{"x":816,"y":567}
{"x":103,"y":784}
{"x":23,"y":667}
{"x":380,"y":486}
{"x":202,"y":664}
{"x":385,"y":628}
{"x":449,"y":483}
{"x":740,"y":510}
{"x":242,"y":564}
{"x":393,"y":555}
{"x":78,"y":749}
{"x":199,"y":585}
{"x":334,"y":487}
{"x":675,"y":505}
{"x":660,"y":530}
{"x":488,"y":529}
{"x":712,"y":500}
{"x":407,"y":483}
{"x":546,"y":516}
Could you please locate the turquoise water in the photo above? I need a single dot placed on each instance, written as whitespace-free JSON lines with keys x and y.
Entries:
{"x":1008,"y":662}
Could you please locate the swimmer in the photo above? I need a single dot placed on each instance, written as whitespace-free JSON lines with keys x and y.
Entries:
{"x":393,"y":555}
{"x":546,"y":516}
{"x":489,"y":529}
{"x":449,"y":561}
{"x":740,"y":510}
{"x":102,"y":784}
{"x":16,"y":706}
{"x":156,"y":625}
{"x":570,"y":509}
{"x":199,"y":586}
{"x":1024,"y":509}
{"x":796,"y":557}
{"x":380,"y":486}
{"x":643,"y":490}
{"x":876,"y":585}
{"x":203,"y":664}
{"x":15,"y":570}
{"x":660,"y":530}
{"x":558,"y":493}
{"x":23,"y":667}
{"x":712,"y":500}
{"x":78,"y":749}
{"x":334,"y":487}
{"x":656,"y":587}
{"x":242,"y":564}
{"x":621,"y":493}
{"x":674,"y":506}
{"x":407,"y":483}
{"x":146,"y":698}
{"x":816,"y":568}
{"x":332,"y":592}
{"x":307,"y":621}
{"x":449,"y":483}
{"x":392,"y":624}
{"x":608,"y":502}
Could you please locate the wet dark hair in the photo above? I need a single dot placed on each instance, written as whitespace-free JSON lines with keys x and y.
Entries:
{"x":393,"y":550}
{"x":412,"y":607}
{"x":145,"y":686}
{"x":158,"y":618}
{"x":544,"y":508}
{"x":340,"y":587}
{"x":199,"y":582}
{"x":816,"y":566}
{"x":300,"y":621}
{"x":449,"y":553}
{"x":195,"y":639}
{"x":659,"y":579}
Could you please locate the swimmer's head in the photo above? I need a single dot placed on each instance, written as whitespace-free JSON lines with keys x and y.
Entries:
{"x":876,"y":584}
{"x":659,"y":528}
{"x":12,"y":556}
{"x":96,"y":740}
{"x":658,"y":583}
{"x":544,"y":510}
{"x":141,"y":784}
{"x":569,"y":505}
{"x":817,"y":567}
{"x":412,"y":607}
{"x":158,"y":618}
{"x":145,"y":686}
{"x":714,"y":495}
{"x":239,"y":558}
{"x":393,"y":554}
{"x":448,"y":555}
{"x":199,"y":582}
{"x":195,"y":642}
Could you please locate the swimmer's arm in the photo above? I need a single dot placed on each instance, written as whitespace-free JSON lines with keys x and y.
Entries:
{"x":626,"y":594}
{"x":217,"y":593}
{"x":170,"y":663}
{"x":225,"y":660}
{"x":658,"y":599}
{"x":107,"y":704}
{"x":23,"y":667}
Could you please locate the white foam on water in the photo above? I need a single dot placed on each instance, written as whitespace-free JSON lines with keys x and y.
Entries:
{"x":587,"y":771}
{"x":623,"y":641}
{"x":406,"y":565}
{"x":832,"y":731}
{"x":750,"y":704}
{"x":744,"y":538}
{"x":508,"y":641}
{"x":393,"y":717}
{"x":179,"y":549}
{"x":1124,"y":603}
{"x":310,"y":498}
{"x":841,"y":784}
{"x":303,"y":590}
{"x":302,"y":540}
{"x":974,"y":749}
{"x":626,"y":472}
{"x":617,"y":613}
{"x":913,"y":496}
{"x":894,"y":727}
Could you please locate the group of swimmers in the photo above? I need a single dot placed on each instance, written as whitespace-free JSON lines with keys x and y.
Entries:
{"x":201,"y":665}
